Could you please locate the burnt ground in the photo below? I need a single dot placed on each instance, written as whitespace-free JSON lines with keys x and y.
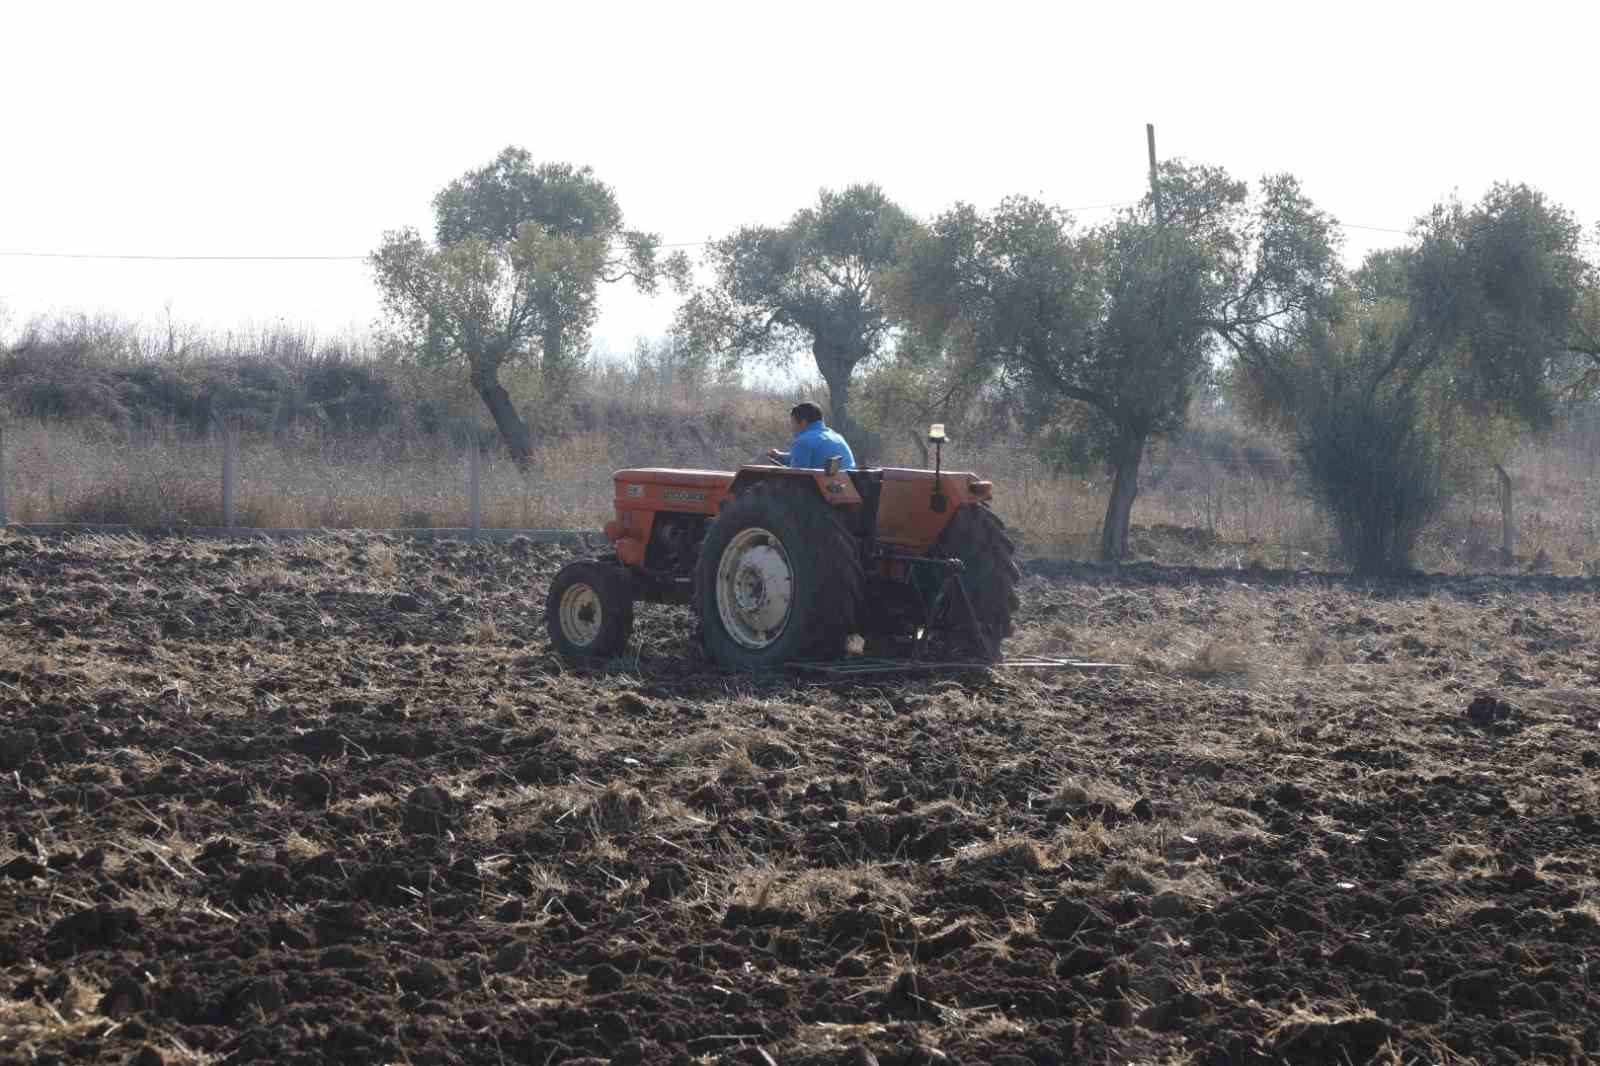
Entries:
{"x":334,"y":802}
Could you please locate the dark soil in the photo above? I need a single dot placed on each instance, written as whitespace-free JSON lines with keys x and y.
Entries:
{"x":335,"y":801}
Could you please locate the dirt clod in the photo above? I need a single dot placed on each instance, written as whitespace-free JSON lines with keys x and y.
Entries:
{"x":1489,"y":712}
{"x":605,"y":978}
{"x":312,"y":787}
{"x":125,"y":996}
{"x":17,"y":747}
{"x":510,"y":957}
{"x":1479,"y":989}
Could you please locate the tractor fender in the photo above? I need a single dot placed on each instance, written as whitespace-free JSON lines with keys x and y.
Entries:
{"x":836,"y":489}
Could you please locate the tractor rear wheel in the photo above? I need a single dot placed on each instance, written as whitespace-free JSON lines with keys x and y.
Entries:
{"x":779,"y":578}
{"x":589,"y":611}
{"x":978,"y":538}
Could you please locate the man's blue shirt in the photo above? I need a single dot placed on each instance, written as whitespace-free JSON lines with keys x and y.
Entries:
{"x":815,"y":445}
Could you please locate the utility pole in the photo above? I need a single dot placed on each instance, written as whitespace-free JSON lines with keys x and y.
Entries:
{"x":1155,"y":183}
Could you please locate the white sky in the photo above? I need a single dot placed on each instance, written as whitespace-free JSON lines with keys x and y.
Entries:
{"x":308,"y":129}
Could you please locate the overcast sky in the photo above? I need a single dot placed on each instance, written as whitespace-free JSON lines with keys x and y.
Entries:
{"x":222,"y":129}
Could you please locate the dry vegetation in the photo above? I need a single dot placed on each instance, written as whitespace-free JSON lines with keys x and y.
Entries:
{"x":297,"y":802}
{"x":106,"y":423}
{"x":1220,"y":512}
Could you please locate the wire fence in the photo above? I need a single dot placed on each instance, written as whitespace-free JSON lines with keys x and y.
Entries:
{"x":1242,"y":510}
{"x":228,"y":484}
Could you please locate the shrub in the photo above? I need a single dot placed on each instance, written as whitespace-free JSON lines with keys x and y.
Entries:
{"x":1374,"y":464}
{"x":155,"y":500}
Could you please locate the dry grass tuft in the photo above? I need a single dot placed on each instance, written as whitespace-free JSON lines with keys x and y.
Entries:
{"x":1014,"y":852}
{"x":1322,"y":650}
{"x":815,"y":890}
{"x":382,"y":562}
{"x":1218,"y":660}
{"x":736,"y":766}
{"x":617,"y":809}
{"x":1124,"y":877}
{"x":1087,"y":836}
{"x":1086,"y":791}
{"x":31,"y":1022}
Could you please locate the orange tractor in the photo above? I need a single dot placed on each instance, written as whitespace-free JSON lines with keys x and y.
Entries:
{"x":783,"y":564}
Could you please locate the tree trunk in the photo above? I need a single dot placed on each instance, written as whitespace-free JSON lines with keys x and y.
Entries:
{"x":554,"y":370}
{"x":513,"y":430}
{"x":1125,"y":460}
{"x":835,"y":365}
{"x":921,"y":442}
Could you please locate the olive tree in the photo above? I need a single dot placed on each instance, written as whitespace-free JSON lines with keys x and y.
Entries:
{"x":814,"y":282}
{"x":1104,"y":333}
{"x":1420,"y":356}
{"x":513,"y":273}
{"x":1583,"y":380}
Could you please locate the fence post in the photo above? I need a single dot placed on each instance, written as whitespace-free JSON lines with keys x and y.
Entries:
{"x":475,"y":502}
{"x":2,"y":476}
{"x":227,"y":474}
{"x":1508,"y":527}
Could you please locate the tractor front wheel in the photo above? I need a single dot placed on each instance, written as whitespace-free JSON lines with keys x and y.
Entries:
{"x":779,"y":578}
{"x":589,"y":611}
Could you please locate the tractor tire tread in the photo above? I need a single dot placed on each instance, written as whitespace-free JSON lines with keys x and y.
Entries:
{"x":977,"y":537}
{"x":835,"y":558}
{"x":614,"y":585}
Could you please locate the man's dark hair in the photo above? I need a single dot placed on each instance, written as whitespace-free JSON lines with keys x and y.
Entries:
{"x":806,"y":412}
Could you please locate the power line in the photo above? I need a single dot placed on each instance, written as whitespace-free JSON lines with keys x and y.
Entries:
{"x":1378,"y":229}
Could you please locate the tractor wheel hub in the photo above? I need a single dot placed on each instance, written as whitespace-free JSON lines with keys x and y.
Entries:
{"x":755,"y":588}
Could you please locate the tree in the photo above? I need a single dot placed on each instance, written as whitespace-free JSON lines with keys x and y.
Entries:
{"x":816,"y":281}
{"x":1584,"y":370}
{"x":1429,"y":350}
{"x":1102,"y":334}
{"x":918,"y":386}
{"x":520,"y":251}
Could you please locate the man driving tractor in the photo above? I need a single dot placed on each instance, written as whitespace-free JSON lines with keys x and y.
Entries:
{"x":814,"y":443}
{"x":786,"y":563}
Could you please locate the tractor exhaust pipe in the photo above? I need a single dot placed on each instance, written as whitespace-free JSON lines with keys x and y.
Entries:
{"x":936,"y":438}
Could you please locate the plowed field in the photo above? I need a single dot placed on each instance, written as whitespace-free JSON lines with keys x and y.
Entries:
{"x":333,"y":801}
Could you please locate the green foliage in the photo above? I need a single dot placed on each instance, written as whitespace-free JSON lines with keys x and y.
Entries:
{"x":488,"y":300}
{"x":1102,"y":336}
{"x":817,"y":282}
{"x":495,"y":200}
{"x":1075,"y":444}
{"x":1117,"y":318}
{"x":901,"y":395}
{"x":1375,"y":467}
{"x":1579,"y":370}
{"x":1433,"y":352}
{"x":520,"y":252}
{"x":1494,"y":290}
